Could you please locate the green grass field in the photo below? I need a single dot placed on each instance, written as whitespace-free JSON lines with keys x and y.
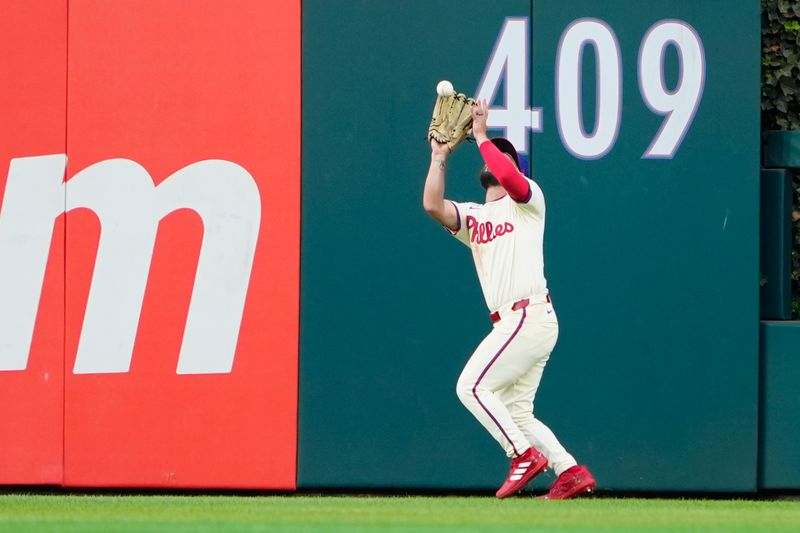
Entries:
{"x":102,"y":513}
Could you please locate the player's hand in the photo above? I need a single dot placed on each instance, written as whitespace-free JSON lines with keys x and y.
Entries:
{"x":439,"y":150}
{"x":480,"y":113}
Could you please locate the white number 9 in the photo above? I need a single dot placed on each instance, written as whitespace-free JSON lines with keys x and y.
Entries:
{"x":680,"y":104}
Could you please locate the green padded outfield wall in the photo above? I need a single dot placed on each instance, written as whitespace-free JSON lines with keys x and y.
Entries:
{"x":652,"y":261}
{"x":779,"y":462}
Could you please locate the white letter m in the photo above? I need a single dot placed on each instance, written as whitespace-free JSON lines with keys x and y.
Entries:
{"x":129,"y":207}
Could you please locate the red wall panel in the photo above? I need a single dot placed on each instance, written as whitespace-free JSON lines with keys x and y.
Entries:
{"x":33,"y":37}
{"x":163,"y":85}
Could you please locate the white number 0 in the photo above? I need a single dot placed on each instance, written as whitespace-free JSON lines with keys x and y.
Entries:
{"x":569,"y":65}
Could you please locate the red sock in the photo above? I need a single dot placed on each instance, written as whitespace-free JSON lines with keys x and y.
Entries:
{"x":571,"y":470}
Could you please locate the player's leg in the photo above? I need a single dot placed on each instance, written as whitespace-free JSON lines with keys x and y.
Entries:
{"x":573,"y":480}
{"x":518,"y":398}
{"x":540,"y":334}
{"x":499,"y":361}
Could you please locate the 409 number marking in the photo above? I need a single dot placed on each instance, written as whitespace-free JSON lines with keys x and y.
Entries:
{"x":509,"y":62}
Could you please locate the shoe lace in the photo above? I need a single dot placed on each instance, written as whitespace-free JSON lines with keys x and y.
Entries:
{"x":564,"y":483}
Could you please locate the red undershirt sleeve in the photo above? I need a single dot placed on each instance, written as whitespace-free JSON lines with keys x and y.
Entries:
{"x":506,"y":172}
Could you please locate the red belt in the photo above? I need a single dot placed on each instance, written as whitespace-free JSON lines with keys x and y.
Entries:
{"x":516,"y":307}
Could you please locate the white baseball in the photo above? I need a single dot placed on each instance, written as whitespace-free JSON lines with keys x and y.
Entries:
{"x":445,"y":88}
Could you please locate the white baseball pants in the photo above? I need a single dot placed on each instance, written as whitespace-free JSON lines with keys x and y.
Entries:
{"x":500,"y":379}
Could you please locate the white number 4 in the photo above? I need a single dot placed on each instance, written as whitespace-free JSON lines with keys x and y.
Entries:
{"x":510,"y":59}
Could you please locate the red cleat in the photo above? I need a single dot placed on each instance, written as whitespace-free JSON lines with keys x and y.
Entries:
{"x":574,"y":482}
{"x":523,"y":469}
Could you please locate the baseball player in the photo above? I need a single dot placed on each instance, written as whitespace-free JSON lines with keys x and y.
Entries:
{"x":500,"y":379}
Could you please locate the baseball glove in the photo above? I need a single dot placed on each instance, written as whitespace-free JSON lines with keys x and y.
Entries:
{"x":452,"y":119}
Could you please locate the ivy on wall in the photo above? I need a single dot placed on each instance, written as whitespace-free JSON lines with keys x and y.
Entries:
{"x":780,"y":60}
{"x":780,"y":96}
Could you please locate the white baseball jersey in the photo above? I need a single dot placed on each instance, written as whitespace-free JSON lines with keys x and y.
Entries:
{"x":506,"y":239}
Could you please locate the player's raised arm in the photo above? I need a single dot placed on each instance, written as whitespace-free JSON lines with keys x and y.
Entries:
{"x":433,"y":196}
{"x":501,"y":166}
